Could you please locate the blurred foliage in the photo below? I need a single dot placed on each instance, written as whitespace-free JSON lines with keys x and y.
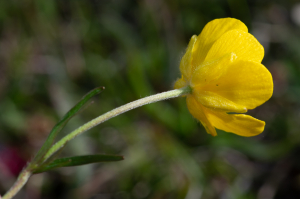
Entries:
{"x":53,"y":52}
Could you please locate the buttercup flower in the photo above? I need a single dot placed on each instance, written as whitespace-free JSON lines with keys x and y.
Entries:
{"x":223,"y":68}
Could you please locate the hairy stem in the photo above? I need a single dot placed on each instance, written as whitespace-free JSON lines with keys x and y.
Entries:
{"x":21,"y":181}
{"x":115,"y":112}
{"x":26,"y":173}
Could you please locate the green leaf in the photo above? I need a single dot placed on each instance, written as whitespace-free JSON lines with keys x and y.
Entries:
{"x":60,"y":125}
{"x":78,"y":160}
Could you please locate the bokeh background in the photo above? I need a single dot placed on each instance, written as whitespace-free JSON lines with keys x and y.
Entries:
{"x":53,"y":52}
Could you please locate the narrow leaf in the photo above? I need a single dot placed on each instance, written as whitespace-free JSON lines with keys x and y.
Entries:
{"x":78,"y":160}
{"x":60,"y":125}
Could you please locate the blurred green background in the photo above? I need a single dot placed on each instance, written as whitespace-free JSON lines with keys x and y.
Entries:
{"x":53,"y":52}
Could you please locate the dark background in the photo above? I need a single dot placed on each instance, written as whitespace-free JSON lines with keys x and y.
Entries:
{"x":53,"y":52}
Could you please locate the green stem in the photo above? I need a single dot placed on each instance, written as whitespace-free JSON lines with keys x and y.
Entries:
{"x":115,"y":112}
{"x":21,"y":181}
{"x":26,"y":173}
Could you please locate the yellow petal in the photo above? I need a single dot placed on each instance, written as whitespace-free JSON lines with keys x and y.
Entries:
{"x":185,"y":63}
{"x":211,"y":70}
{"x":197,"y":110}
{"x":245,"y":83}
{"x":240,"y":124}
{"x":180,"y":83}
{"x":211,"y":33}
{"x":217,"y":102}
{"x":243,"y":44}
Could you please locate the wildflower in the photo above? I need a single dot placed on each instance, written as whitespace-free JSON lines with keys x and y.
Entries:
{"x":223,"y":68}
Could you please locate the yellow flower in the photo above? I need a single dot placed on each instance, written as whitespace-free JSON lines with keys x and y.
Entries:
{"x":223,"y":68}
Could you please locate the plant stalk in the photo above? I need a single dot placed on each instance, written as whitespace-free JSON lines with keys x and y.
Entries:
{"x":115,"y":112}
{"x":21,"y":181}
{"x":26,"y":173}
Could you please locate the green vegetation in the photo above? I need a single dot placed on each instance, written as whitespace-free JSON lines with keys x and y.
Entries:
{"x":54,"y":52}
